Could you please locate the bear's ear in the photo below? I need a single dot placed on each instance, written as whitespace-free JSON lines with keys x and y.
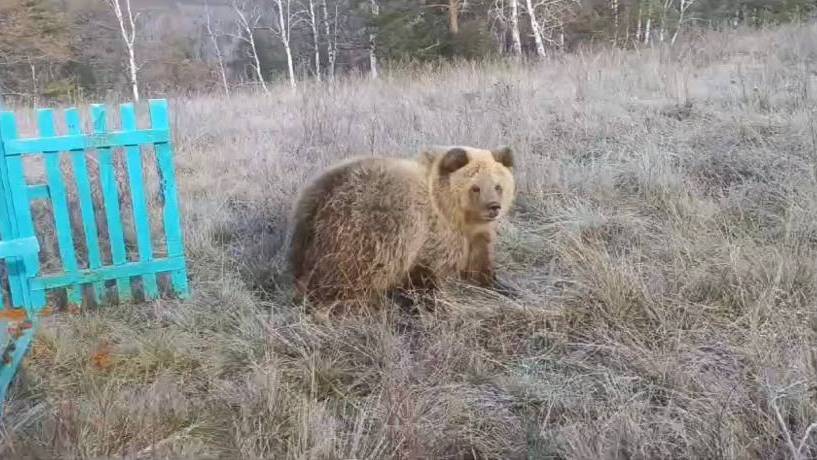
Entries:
{"x":453,"y":160}
{"x":504,"y":156}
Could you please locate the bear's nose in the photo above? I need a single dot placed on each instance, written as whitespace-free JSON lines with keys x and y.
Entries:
{"x":494,"y":206}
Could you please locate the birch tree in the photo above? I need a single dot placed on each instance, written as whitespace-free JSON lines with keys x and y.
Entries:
{"x":127,"y":28}
{"x":648,"y":24}
{"x":561,"y":33}
{"x":662,"y":31}
{"x":287,"y":19}
{"x":536,"y":29}
{"x":331,"y":39}
{"x":514,"y":19}
{"x":547,"y":19}
{"x":682,"y":9}
{"x":219,"y":55}
{"x":35,"y":90}
{"x":249,"y":16}
{"x":313,"y":24}
{"x":614,"y":9}
{"x":499,"y":24}
{"x":372,"y":41}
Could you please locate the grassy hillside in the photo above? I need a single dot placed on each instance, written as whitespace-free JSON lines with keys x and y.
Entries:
{"x":664,"y":243}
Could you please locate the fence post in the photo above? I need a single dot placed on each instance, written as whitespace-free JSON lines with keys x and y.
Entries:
{"x":8,"y":230}
{"x":172,"y":212}
{"x":19,"y":210}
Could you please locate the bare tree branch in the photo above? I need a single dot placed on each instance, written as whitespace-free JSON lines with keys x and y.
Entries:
{"x":219,"y":56}
{"x":796,"y":451}
{"x":248,"y":21}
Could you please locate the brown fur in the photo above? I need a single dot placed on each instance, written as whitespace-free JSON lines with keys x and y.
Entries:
{"x":369,"y":225}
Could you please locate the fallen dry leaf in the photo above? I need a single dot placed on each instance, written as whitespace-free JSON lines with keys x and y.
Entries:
{"x":101,"y":358}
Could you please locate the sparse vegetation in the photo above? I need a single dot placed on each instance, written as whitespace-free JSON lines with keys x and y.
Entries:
{"x":664,"y":243}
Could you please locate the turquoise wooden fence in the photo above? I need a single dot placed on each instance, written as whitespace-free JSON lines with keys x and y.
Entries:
{"x":84,"y":283}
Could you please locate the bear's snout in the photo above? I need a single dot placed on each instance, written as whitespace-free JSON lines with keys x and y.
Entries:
{"x":493,"y":209}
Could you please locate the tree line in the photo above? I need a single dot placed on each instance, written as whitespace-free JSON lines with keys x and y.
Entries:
{"x":70,"y":49}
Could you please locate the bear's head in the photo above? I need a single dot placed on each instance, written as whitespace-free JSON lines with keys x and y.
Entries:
{"x":473,"y":186}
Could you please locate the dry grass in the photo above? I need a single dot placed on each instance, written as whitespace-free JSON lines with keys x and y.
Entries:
{"x":664,"y":243}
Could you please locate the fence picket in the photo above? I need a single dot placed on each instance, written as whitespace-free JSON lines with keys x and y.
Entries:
{"x":59,"y":203}
{"x":139,"y":202}
{"x":172,"y":216}
{"x":110,"y":196}
{"x":86,"y":202}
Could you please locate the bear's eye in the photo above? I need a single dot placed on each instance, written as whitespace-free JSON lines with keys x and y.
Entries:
{"x":475,"y":189}
{"x":498,"y":188}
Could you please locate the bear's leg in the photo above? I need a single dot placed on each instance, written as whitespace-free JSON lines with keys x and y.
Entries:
{"x":299,"y":289}
{"x":422,"y":278}
{"x":419,"y":282}
{"x":480,"y":268}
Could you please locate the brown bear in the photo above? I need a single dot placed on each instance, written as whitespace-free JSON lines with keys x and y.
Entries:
{"x":368,"y":226}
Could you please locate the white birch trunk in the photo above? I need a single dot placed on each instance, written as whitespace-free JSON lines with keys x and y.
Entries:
{"x":313,"y":23}
{"x":647,"y":31}
{"x":134,"y":80}
{"x":284,"y":24}
{"x":257,"y":61}
{"x":217,"y":48}
{"x":330,"y":40}
{"x":614,"y":8}
{"x":34,"y":87}
{"x":648,"y":25}
{"x":247,"y":29}
{"x":536,"y":29}
{"x":497,"y":13}
{"x":662,"y":32}
{"x":516,"y":40}
{"x":685,"y":4}
{"x":561,"y":33}
{"x":681,"y":10}
{"x":128,"y":32}
{"x":372,"y":43}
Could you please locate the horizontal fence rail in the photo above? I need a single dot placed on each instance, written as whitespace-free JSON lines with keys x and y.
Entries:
{"x":85,"y":142}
